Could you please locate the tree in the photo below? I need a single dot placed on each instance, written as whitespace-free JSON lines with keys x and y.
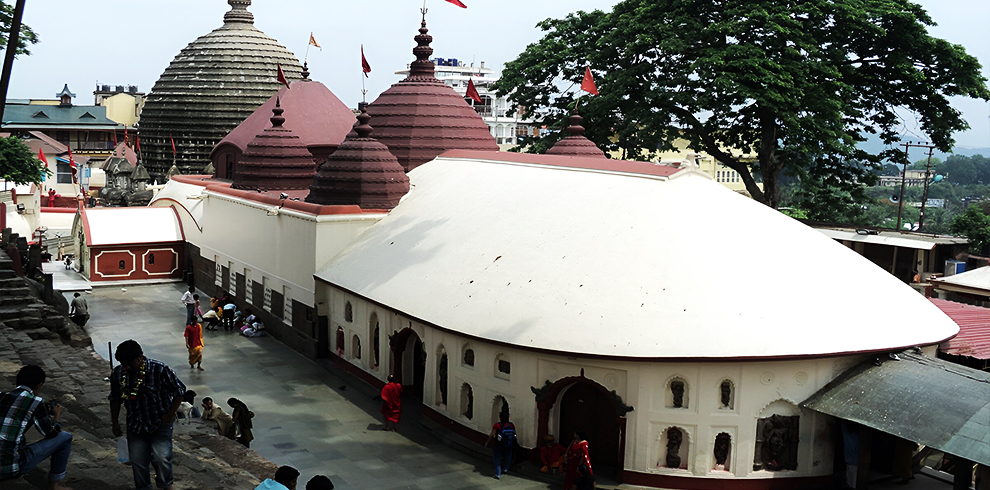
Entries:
{"x":18,"y":164}
{"x":27,"y":36}
{"x":788,"y":82}
{"x":975,"y":225}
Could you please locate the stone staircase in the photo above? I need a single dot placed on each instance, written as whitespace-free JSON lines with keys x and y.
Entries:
{"x":21,"y":309}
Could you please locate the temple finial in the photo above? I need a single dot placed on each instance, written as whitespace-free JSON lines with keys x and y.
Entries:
{"x":277,"y":119}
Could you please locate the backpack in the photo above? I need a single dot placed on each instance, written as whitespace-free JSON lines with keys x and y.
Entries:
{"x":507,"y":434}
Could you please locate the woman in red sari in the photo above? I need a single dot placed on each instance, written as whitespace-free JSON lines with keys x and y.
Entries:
{"x":577,"y":455}
{"x":391,"y":403}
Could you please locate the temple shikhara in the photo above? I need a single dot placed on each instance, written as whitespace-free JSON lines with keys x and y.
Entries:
{"x":695,"y":334}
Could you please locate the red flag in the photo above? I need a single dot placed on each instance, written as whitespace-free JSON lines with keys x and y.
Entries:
{"x":115,"y":138}
{"x":365,"y":67}
{"x":41,"y":156}
{"x":125,"y":135}
{"x":137,"y":143}
{"x":281,"y":76}
{"x":173,"y":143}
{"x":473,"y":92}
{"x":459,"y":3}
{"x":588,"y":84}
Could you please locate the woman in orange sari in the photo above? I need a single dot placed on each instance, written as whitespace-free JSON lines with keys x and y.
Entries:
{"x":194,"y":342}
{"x":577,"y":455}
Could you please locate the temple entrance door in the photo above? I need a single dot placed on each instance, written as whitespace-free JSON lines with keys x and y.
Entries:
{"x":410,"y":360}
{"x":584,"y":406}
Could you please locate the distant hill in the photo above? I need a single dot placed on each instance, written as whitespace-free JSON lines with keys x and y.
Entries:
{"x":874,"y":145}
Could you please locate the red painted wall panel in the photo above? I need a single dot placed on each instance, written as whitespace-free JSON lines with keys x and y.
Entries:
{"x":138,"y":264}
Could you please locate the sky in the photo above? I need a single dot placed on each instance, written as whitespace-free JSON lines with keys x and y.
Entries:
{"x":131,"y":42}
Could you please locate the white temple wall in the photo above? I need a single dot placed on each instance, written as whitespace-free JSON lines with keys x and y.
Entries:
{"x":758,"y":389}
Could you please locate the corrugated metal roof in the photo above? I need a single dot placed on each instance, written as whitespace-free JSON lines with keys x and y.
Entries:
{"x":929,"y":401}
{"x":973,"y":339}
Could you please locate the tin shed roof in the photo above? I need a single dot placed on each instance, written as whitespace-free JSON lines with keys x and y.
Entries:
{"x":973,"y":339}
{"x":918,"y":398}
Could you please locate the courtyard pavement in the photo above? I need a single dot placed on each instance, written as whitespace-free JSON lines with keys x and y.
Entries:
{"x":305,"y":415}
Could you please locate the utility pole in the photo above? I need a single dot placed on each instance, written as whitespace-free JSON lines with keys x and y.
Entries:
{"x":8,"y":61}
{"x":907,"y":161}
{"x":924,"y":195}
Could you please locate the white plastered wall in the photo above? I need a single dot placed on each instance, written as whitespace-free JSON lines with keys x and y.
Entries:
{"x":757,"y":388}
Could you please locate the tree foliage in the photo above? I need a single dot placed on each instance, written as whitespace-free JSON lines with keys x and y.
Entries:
{"x":26,"y":35}
{"x":18,"y":164}
{"x":975,"y":225}
{"x":792,"y":83}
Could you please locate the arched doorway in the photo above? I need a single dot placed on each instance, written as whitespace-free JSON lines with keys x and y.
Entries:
{"x":584,"y":407}
{"x":589,"y":406}
{"x":409,"y":359}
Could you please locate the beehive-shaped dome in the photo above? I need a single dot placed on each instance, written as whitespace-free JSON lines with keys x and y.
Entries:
{"x":421,"y":117}
{"x":212,"y":85}
{"x":361,"y":172}
{"x":576,"y":144}
{"x":276,"y":159}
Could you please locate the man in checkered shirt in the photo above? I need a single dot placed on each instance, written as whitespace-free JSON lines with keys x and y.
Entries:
{"x":20,"y":409}
{"x":151,"y":393}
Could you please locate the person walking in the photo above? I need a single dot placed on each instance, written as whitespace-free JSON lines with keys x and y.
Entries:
{"x":194,"y":344}
{"x":391,"y":403}
{"x":151,"y":393}
{"x":190,"y":303}
{"x":242,"y":421}
{"x":504,"y":433}
{"x":78,"y":310}
{"x":20,"y":409}
{"x":577,"y":455}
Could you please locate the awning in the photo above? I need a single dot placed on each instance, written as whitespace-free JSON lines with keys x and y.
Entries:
{"x":889,"y":240}
{"x":973,"y":339}
{"x":929,"y":401}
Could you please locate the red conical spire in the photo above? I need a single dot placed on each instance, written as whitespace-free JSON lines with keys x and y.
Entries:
{"x":360,"y":172}
{"x":276,"y":159}
{"x":576,"y":144}
{"x":421,"y":117}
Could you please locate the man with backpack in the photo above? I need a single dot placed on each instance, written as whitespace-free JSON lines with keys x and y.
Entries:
{"x":504,"y":434}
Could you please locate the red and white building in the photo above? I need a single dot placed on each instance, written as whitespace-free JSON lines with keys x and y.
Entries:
{"x":129,"y":244}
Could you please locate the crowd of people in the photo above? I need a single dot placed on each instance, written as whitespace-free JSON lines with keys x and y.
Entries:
{"x":152,"y":394}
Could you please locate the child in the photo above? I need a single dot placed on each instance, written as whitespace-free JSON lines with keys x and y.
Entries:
{"x":197,"y":310}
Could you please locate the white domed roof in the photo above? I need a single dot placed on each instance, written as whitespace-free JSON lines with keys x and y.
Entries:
{"x":606,"y":263}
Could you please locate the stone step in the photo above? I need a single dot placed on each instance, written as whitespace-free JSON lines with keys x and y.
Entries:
{"x":9,"y":313}
{"x":10,"y":282}
{"x":18,"y":292}
{"x":7,"y":274}
{"x":15,"y":300}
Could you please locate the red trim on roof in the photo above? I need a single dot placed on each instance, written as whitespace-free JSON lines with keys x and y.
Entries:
{"x":271,"y":197}
{"x":46,"y":209}
{"x":973,"y":339}
{"x":626,"y":166}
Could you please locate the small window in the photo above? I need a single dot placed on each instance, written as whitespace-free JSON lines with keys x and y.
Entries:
{"x":348,"y":312}
{"x":120,"y":265}
{"x":151,"y":259}
{"x":356,"y":347}
{"x":469,"y":357}
{"x":503,"y":366}
{"x":340,"y":342}
{"x":467,"y":401}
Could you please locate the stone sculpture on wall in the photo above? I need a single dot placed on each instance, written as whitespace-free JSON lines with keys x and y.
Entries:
{"x":674,"y":439}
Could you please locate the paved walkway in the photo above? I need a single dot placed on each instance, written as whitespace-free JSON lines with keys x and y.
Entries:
{"x":306,"y":416}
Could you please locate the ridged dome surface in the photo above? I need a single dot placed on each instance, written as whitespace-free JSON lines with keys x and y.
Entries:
{"x":421,"y":117}
{"x":212,"y":85}
{"x":361,"y":172}
{"x":576,"y":144}
{"x":276,"y":159}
